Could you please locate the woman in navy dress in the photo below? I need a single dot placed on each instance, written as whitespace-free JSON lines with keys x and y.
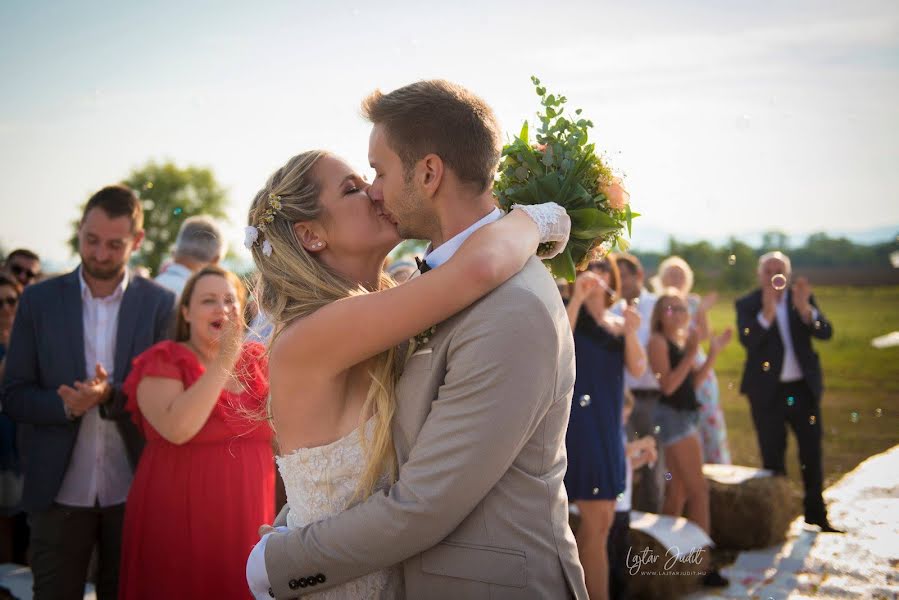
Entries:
{"x":604,"y":345}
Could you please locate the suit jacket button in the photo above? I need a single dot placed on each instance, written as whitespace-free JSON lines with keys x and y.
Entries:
{"x":310,"y":581}
{"x":301,"y":583}
{"x":321,"y":578}
{"x":271,"y":593}
{"x":293,"y":584}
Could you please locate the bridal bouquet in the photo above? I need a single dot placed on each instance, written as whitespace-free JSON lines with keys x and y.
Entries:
{"x":562,"y":167}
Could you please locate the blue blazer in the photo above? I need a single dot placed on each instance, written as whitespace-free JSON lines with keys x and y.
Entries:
{"x":46,"y":350}
{"x":765,"y":346}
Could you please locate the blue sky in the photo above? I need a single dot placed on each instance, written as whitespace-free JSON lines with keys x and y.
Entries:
{"x":726,"y":117}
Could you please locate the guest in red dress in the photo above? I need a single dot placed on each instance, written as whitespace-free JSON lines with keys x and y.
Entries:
{"x":206,"y":478}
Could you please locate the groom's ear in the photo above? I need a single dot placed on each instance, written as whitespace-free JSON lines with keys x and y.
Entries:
{"x":310,"y":235}
{"x":431,"y":170}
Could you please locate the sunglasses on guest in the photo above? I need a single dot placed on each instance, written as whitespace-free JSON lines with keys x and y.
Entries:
{"x":18,"y":270}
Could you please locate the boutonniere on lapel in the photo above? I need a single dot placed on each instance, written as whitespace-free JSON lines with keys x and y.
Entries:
{"x":425,"y":336}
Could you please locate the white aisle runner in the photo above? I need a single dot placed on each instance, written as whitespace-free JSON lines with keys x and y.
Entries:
{"x":862,"y":563}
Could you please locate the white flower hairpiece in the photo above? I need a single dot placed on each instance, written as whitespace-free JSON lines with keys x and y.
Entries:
{"x":250,"y":235}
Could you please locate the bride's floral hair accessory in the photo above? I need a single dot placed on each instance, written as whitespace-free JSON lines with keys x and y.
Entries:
{"x":252,"y":232}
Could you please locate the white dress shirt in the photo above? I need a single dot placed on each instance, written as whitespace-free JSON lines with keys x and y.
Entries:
{"x":645,"y":304}
{"x":98,"y":471}
{"x":445,"y":251}
{"x":174,"y":278}
{"x":791,"y":371}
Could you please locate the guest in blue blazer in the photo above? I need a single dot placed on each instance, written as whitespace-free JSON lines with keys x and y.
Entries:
{"x":782,"y":375}
{"x":70,"y":349}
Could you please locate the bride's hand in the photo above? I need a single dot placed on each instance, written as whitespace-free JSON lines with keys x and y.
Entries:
{"x":553,"y":226}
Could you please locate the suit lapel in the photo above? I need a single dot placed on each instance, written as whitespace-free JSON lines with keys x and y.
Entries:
{"x":129,"y":312}
{"x":73,"y":321}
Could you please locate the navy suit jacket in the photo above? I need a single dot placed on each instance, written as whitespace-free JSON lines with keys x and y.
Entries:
{"x":765,"y":346}
{"x":46,"y":350}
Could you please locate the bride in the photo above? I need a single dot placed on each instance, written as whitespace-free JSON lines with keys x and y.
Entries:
{"x":319,"y":244}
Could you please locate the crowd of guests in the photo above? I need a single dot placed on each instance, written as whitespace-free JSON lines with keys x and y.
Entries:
{"x":631,"y":343}
{"x":134,"y":435}
{"x":642,"y":372}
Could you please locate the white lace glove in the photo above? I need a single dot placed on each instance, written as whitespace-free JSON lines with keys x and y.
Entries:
{"x":553,"y":223}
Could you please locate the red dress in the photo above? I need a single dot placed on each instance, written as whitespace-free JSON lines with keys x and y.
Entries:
{"x":193,"y":511}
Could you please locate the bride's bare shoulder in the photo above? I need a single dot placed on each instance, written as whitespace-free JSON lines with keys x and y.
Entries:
{"x":297,"y":339}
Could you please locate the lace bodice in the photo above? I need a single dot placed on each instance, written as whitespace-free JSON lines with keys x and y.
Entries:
{"x":321,"y":482}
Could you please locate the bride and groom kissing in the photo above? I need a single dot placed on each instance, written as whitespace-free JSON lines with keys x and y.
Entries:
{"x":430,"y":468}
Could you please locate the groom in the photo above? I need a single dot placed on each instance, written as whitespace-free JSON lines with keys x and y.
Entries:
{"x":479,"y":509}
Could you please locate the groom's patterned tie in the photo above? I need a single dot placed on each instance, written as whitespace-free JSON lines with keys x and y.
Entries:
{"x":423,"y":266}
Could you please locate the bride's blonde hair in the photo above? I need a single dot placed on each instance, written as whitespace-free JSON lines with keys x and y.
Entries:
{"x":292,"y":284}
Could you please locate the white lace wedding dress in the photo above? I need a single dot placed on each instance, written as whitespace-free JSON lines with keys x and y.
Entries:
{"x":320,"y":482}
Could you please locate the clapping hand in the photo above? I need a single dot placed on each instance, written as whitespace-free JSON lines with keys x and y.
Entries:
{"x":86,"y":395}
{"x":802,"y":294}
{"x":769,"y":302}
{"x":718,"y":342}
{"x":231,"y":340}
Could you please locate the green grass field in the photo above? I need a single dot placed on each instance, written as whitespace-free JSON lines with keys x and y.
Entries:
{"x":859,"y":412}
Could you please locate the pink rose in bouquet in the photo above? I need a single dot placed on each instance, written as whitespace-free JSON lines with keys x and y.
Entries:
{"x":616,"y":194}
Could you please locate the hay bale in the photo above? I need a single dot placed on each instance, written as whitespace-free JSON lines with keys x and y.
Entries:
{"x":668,"y":556}
{"x":750,"y":508}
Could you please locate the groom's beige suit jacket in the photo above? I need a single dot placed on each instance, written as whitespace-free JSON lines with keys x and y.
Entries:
{"x":479,"y":510}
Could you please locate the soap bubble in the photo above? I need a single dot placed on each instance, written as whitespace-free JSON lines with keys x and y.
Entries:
{"x":668,"y":476}
{"x":791,"y":400}
{"x":812,"y":420}
{"x":656,"y":429}
{"x":878,"y":413}
{"x":853,"y":417}
{"x":779,"y":282}
{"x":595,"y":491}
{"x":585,"y":400}
{"x":732,"y":259}
{"x":766,"y":366}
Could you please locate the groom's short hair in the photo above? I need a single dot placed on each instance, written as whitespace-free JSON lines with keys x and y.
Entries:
{"x":442,"y":118}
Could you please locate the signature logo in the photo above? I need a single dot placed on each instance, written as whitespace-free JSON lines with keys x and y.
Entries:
{"x":673,"y":557}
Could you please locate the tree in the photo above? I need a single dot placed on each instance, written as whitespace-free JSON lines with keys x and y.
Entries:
{"x":169,"y":195}
{"x":774,"y":240}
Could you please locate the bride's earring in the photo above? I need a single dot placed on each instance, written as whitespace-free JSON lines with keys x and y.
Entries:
{"x":318,"y":245}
